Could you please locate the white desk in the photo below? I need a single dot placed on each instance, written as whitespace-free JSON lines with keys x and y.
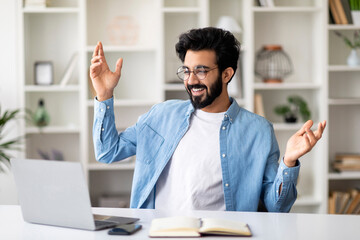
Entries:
{"x":288,"y":226}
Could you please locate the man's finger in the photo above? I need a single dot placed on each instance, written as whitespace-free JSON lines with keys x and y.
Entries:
{"x":311,"y":136}
{"x":96,"y":50}
{"x":101,"y":50}
{"x":306,"y":125}
{"x":119,"y":64}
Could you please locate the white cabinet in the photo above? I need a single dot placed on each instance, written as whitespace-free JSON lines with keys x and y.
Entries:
{"x":343,"y":106}
{"x":52,"y":35}
{"x":144,"y":33}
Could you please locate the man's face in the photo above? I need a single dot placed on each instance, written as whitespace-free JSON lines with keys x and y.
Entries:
{"x":203,"y":92}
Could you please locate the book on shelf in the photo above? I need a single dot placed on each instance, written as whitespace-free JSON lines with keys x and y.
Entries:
{"x":334,"y":12}
{"x":340,"y":10}
{"x":69,"y":70}
{"x":259,"y":105}
{"x":347,"y":10}
{"x":344,"y":202}
{"x":196,"y":227}
{"x":36,"y":3}
{"x":346,"y":162}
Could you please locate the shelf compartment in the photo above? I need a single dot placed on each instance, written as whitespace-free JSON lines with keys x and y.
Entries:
{"x":338,"y":51}
{"x":139,"y":80}
{"x":307,"y":63}
{"x":58,"y":47}
{"x":124,"y":22}
{"x":62,"y":107}
{"x":276,"y":97}
{"x":68,"y":144}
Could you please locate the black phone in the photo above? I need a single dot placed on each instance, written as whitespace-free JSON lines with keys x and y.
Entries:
{"x":126,"y":229}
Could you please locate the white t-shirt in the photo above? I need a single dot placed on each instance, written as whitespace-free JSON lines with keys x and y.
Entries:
{"x":192,"y":180}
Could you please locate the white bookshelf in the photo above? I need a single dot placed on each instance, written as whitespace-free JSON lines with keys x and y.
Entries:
{"x":320,"y":75}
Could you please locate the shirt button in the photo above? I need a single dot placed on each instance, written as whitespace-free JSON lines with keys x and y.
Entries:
{"x":107,"y":107}
{"x":286,"y":173}
{"x":225,"y":116}
{"x":223,"y":128}
{"x":226,"y":184}
{"x":224,"y":155}
{"x":102,"y":129}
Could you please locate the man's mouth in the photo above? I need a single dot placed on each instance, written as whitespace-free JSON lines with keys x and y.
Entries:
{"x":197,"y":90}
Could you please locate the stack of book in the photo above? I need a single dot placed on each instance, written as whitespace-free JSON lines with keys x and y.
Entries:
{"x":344,"y":202}
{"x":36,"y":3}
{"x":340,"y":12}
{"x":347,"y":162}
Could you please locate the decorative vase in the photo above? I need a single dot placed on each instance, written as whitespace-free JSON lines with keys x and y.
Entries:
{"x":272,"y":64}
{"x":41,"y":116}
{"x":353,"y":58}
{"x":355,"y":17}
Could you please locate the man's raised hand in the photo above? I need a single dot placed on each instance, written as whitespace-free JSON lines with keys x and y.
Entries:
{"x":103,"y":80}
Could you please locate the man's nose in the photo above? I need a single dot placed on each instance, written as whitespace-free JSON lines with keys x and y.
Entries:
{"x":193,"y":79}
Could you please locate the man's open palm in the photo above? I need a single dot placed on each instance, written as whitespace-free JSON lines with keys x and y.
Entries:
{"x":302,"y":142}
{"x":103,"y":80}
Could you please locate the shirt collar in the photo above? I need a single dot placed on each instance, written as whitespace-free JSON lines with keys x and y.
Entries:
{"x":232,"y":111}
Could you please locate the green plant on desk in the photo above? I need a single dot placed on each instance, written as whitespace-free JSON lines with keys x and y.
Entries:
{"x":297,"y":106}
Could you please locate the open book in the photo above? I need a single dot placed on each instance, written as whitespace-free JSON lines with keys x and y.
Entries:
{"x":195,"y":227}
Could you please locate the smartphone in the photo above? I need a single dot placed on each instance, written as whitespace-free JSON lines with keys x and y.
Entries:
{"x":126,"y":229}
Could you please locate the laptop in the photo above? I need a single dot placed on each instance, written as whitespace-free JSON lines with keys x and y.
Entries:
{"x":55,"y":193}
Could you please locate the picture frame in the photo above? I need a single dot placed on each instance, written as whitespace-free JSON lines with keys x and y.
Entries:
{"x":44,"y":73}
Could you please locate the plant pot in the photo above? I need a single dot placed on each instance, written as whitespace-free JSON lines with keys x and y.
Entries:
{"x":355,"y":17}
{"x":353,"y":58}
{"x":290,"y":119}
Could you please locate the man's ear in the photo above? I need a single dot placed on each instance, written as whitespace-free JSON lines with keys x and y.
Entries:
{"x":227,"y":74}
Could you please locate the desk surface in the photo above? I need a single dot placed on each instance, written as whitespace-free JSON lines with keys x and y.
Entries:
{"x":263,"y":225}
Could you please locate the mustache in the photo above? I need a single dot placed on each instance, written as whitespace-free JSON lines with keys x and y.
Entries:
{"x":196,"y":86}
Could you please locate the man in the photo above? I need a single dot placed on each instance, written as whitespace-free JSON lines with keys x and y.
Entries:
{"x":206,"y":153}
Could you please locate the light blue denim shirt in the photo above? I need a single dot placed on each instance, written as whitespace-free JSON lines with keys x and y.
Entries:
{"x":249,"y":154}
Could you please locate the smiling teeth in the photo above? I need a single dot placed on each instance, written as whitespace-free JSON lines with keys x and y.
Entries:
{"x":197,"y":89}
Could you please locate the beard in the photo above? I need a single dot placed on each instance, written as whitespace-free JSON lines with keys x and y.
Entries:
{"x":215,"y":91}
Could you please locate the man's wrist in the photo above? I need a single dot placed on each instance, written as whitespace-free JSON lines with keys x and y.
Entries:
{"x":101,"y":98}
{"x":289,"y":163}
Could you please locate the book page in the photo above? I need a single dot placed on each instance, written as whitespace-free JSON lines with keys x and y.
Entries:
{"x":175,"y":226}
{"x":224,"y":227}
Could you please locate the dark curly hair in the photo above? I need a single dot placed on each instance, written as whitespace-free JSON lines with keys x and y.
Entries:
{"x":225,"y":45}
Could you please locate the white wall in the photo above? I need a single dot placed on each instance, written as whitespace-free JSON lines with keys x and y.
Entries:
{"x":9,"y":96}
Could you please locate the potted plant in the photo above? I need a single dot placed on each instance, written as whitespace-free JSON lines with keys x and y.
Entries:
{"x":353,"y":59}
{"x":6,"y":145}
{"x":297,"y":105}
{"x":355,"y":11}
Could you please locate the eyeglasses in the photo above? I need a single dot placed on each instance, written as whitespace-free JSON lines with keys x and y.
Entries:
{"x":199,"y":71}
